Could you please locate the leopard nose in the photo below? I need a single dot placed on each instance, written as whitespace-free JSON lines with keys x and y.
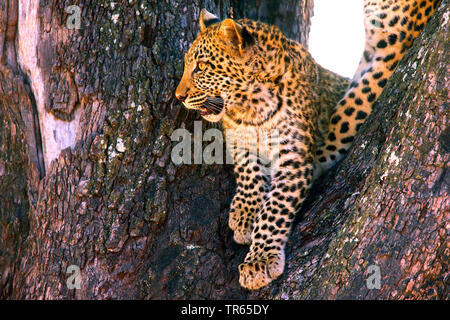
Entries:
{"x":180,"y":97}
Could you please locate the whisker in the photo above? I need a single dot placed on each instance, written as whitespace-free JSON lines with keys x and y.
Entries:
{"x":214,"y":104}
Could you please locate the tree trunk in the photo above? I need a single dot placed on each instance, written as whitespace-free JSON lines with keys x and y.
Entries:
{"x":86,"y":178}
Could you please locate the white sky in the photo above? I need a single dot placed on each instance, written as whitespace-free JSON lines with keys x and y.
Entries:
{"x":336,"y":40}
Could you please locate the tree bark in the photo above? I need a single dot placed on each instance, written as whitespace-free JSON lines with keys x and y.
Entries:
{"x":86,"y":178}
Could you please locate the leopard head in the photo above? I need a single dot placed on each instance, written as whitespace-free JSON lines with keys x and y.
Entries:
{"x":220,"y":65}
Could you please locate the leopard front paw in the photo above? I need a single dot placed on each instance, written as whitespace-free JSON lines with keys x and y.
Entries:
{"x":233,"y":217}
{"x":241,"y":226}
{"x":241,"y":222}
{"x":242,"y":235}
{"x":258,"y":272}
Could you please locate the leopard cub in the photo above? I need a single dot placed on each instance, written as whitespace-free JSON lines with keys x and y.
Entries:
{"x":252,"y":78}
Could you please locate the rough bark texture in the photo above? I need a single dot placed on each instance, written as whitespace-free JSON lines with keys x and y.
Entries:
{"x":140,"y":227}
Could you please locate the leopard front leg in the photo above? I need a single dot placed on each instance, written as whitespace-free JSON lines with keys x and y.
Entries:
{"x":291,"y":176}
{"x":251,"y":179}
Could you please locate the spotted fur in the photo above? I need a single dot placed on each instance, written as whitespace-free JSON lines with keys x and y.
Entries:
{"x":248,"y":75}
{"x":390,"y":26}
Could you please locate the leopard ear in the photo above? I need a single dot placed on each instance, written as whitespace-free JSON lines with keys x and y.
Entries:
{"x":207,"y":19}
{"x":232,"y":32}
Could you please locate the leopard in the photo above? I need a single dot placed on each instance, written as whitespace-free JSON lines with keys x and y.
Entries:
{"x":250,"y":77}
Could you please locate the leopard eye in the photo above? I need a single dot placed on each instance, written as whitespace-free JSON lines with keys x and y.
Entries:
{"x":200,"y":66}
